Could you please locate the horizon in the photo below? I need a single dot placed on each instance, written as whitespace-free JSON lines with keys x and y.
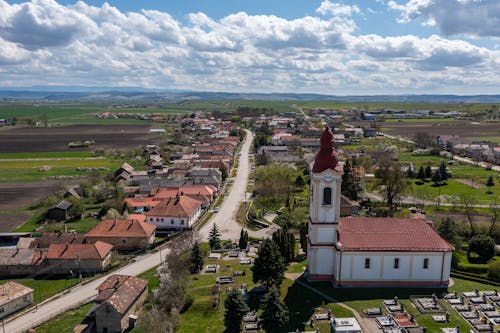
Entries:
{"x":350,"y":48}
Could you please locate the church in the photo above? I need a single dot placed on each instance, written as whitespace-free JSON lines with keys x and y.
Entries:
{"x":367,"y":251}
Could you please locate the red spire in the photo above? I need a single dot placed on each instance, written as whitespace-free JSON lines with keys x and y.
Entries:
{"x":326,"y":158}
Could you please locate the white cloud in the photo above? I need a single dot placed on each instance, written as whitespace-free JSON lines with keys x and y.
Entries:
{"x":454,"y":17}
{"x":337,"y":9}
{"x":82,"y":44}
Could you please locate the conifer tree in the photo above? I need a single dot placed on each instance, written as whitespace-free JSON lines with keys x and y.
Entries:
{"x":428,"y":172}
{"x":196,"y":259}
{"x":490,"y":184}
{"x":269,"y":266}
{"x":350,"y":186}
{"x":436,"y":178}
{"x":236,"y":308}
{"x":421,"y":173}
{"x":303,"y":236}
{"x":243,"y":242}
{"x":442,"y":171}
{"x":214,"y":238}
{"x":275,"y":312}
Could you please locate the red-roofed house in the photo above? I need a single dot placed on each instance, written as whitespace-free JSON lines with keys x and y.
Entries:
{"x":79,"y":258}
{"x":140,"y":205}
{"x":175,"y":213}
{"x":123,"y":234}
{"x":119,"y":297}
{"x":361,"y":252}
{"x":203,"y":193}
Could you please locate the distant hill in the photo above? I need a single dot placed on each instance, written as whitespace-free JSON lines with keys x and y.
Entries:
{"x":88,"y":94}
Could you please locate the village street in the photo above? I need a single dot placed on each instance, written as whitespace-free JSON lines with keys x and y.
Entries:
{"x":225,"y":219}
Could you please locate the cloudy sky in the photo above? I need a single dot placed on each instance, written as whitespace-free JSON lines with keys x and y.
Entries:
{"x":344,"y":48}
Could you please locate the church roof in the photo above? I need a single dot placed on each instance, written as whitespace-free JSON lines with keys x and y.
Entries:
{"x":326,"y":158}
{"x":389,"y":234}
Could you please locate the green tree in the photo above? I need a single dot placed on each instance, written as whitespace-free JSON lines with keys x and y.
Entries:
{"x":223,"y":171}
{"x":243,"y":242}
{"x":275,"y":312}
{"x":196,"y":259}
{"x":421,"y":173}
{"x":269,"y":266}
{"x":299,"y":181}
{"x":391,"y":180}
{"x":436,"y":178}
{"x":236,"y":308}
{"x":428,"y":172}
{"x":350,"y":186}
{"x":483,"y":246}
{"x":77,"y":208}
{"x":442,"y":171}
{"x":448,"y":230}
{"x":490,"y":184}
{"x":303,"y":236}
{"x":286,"y":243}
{"x":214,"y":238}
{"x":494,"y":270}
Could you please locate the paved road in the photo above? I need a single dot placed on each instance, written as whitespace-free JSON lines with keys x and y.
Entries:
{"x":79,"y":295}
{"x":226,"y":217}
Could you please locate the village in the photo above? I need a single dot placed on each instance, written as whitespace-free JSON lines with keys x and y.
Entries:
{"x":148,"y":208}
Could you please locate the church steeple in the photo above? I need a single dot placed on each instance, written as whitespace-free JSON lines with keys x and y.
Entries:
{"x":326,"y":158}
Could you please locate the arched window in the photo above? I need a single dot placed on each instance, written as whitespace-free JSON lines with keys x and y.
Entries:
{"x":327,"y":196}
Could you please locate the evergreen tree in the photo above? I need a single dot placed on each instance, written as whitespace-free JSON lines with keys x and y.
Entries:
{"x":483,"y":245}
{"x":442,"y":171}
{"x":409,"y":173}
{"x":303,"y":236}
{"x":421,"y":173}
{"x":236,"y":308}
{"x":350,"y":186}
{"x":214,"y":238}
{"x":299,"y":181}
{"x":428,"y":172}
{"x":275,"y":312}
{"x":286,"y":244}
{"x":269,"y":266}
{"x":196,"y":259}
{"x":490,"y":184}
{"x":243,"y":242}
{"x":436,"y":178}
{"x":448,"y":230}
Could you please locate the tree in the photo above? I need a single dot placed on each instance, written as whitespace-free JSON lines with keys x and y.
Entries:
{"x":421,"y":173}
{"x":223,"y":172}
{"x":299,"y":181}
{"x":243,"y":242}
{"x":442,"y":171}
{"x":350,"y":186}
{"x":269,"y":265}
{"x":448,"y":230}
{"x":286,"y":243}
{"x":436,"y":178}
{"x":303,"y":236}
{"x":275,"y":312}
{"x":483,"y":246}
{"x":392,"y":181}
{"x":196,"y":259}
{"x":77,"y":208}
{"x":214,"y":238}
{"x":423,"y":140}
{"x":490,"y":184}
{"x":428,"y":172}
{"x":236,"y":308}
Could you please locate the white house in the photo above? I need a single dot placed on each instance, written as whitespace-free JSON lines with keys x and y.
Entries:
{"x":358,"y":252}
{"x":13,"y":297}
{"x":180,"y":212}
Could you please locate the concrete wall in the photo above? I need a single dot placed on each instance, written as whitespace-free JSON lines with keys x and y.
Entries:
{"x":167,"y":222}
{"x":125,"y":243}
{"x":85,"y":266}
{"x":14,"y":305}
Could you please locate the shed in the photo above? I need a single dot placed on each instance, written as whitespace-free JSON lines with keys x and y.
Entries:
{"x":60,"y":211}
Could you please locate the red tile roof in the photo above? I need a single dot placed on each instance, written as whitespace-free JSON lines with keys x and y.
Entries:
{"x":389,"y":234}
{"x":121,"y":291}
{"x":122,"y":228}
{"x":139,"y":217}
{"x":99,"y":250}
{"x":141,"y":202}
{"x":183,"y":206}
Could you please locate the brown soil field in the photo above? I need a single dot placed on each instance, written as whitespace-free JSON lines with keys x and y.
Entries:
{"x":9,"y":222}
{"x":461,"y":128}
{"x":15,"y":196}
{"x":56,"y":139}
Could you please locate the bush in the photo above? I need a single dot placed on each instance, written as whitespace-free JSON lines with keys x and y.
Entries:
{"x":484,"y":246}
{"x":494,"y":270}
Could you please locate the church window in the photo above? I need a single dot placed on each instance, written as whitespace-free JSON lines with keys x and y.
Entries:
{"x":426,"y":263}
{"x":327,"y":196}
{"x":367,"y":263}
{"x":396,"y":263}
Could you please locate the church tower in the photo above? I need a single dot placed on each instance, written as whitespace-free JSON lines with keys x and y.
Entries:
{"x":324,"y":212}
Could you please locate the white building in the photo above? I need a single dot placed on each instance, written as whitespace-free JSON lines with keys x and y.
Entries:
{"x":358,"y":252}
{"x":13,"y":297}
{"x":180,"y":212}
{"x":345,"y":325}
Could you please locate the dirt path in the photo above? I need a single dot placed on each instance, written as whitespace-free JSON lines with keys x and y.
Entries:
{"x":470,"y":183}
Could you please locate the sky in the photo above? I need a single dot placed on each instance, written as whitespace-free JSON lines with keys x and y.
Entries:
{"x":353,"y":47}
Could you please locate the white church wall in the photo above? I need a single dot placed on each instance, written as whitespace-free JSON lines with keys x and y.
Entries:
{"x":323,"y":261}
{"x":325,"y":234}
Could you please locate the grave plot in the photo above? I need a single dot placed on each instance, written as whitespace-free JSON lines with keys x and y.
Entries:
{"x":373,"y":312}
{"x":405,"y":320}
{"x":481,"y":326}
{"x":427,"y":304}
{"x":211,"y":269}
{"x":385,"y":322}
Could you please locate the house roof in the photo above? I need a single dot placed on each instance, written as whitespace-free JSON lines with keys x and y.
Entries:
{"x":99,"y":250}
{"x":141,"y":202}
{"x":122,"y":228}
{"x":59,"y":238}
{"x":121,"y":291}
{"x":62,"y":205}
{"x":139,"y":217}
{"x":12,"y":290}
{"x":12,"y":256}
{"x":389,"y":234}
{"x":181,"y":206}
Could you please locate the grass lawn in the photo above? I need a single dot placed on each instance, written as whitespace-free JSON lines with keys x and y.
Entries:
{"x":80,"y":226}
{"x":59,"y":154}
{"x":66,"y":321}
{"x":493,"y":139}
{"x":422,"y":120}
{"x":454,"y":190}
{"x":45,"y":288}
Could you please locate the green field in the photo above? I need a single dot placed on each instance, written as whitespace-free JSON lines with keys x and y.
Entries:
{"x":421,"y":120}
{"x":45,"y":288}
{"x":66,"y":321}
{"x":493,"y":139}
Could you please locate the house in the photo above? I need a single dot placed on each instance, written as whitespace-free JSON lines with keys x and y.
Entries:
{"x":124,"y":172}
{"x":123,"y":234}
{"x":14,"y":297}
{"x":74,"y":191}
{"x":21,"y":262}
{"x":118,"y":299}
{"x":366,"y":251}
{"x":140,"y":205}
{"x":58,"y":238}
{"x":60,"y":211}
{"x":81,"y":259}
{"x":203,"y":193}
{"x":369,"y":132}
{"x":180,"y":212}
{"x":199,"y":174}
